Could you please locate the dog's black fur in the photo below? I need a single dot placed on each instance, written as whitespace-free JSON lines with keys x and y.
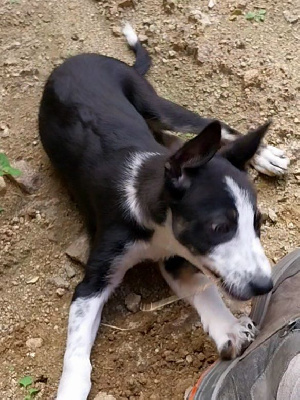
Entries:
{"x":93,"y":113}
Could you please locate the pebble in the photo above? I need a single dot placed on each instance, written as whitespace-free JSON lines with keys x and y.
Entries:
{"x":189,"y":358}
{"x":33,"y":280}
{"x":272,"y":215}
{"x":79,"y":249}
{"x":60,"y":292}
{"x":34,"y":343}
{"x":291,"y":17}
{"x":251,"y":77}
{"x":116,"y":30}
{"x":2,"y":186}
{"x":29,"y":180}
{"x":70,"y":271}
{"x":126,"y":3}
{"x":59,"y":282}
{"x":4,"y":130}
{"x":132,"y":302}
{"x":104,"y":396}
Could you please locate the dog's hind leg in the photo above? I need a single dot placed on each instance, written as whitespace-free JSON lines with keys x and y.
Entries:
{"x":162,"y":114}
{"x":230,"y":334}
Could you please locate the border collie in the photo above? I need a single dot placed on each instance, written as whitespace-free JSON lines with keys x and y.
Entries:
{"x":188,"y":205}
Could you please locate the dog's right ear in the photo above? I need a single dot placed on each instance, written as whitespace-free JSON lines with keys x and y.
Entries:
{"x":193,"y":154}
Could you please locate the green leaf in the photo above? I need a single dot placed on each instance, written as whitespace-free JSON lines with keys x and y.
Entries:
{"x":33,"y":391}
{"x":1,"y":211}
{"x":262,"y":12}
{"x":250,"y":15}
{"x":6,"y":168}
{"x":25,"y":381}
{"x":4,"y":161}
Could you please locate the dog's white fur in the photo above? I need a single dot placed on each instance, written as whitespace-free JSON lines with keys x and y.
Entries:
{"x":242,"y":258}
{"x":131,"y":205}
{"x":216,"y":318}
{"x":130,"y":34}
{"x":269,"y":160}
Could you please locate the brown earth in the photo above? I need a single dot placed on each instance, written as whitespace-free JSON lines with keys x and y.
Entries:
{"x":216,"y":63}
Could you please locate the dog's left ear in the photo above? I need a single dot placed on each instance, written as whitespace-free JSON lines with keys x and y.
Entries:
{"x":240,"y":151}
{"x":194,"y":153}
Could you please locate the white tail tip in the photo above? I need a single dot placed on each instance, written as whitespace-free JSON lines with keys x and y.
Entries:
{"x":130,"y":35}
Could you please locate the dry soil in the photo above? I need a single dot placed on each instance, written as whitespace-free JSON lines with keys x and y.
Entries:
{"x":212,"y":60}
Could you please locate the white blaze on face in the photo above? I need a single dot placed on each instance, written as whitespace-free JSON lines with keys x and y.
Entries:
{"x":241,"y":259}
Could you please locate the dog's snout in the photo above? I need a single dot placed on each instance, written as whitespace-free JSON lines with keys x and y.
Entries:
{"x":261,"y":285}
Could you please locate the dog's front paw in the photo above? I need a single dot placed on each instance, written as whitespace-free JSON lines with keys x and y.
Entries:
{"x":238,"y":337}
{"x":270,"y":160}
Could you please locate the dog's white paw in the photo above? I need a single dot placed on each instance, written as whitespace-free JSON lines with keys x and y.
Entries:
{"x":270,"y":160}
{"x":238,"y":336}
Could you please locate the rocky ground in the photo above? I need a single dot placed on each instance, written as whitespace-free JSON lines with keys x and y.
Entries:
{"x":210,"y":59}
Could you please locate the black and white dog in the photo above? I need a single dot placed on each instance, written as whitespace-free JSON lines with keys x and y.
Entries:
{"x":191,"y":208}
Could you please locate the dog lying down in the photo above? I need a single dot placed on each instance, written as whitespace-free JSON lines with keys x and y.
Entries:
{"x":189,"y":205}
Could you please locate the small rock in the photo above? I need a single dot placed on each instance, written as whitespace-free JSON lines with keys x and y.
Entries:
{"x":34,"y":343}
{"x":264,"y":216}
{"x":211,"y":4}
{"x":272,"y":215}
{"x":60,"y":292}
{"x":126,"y":3}
{"x":104,"y":396}
{"x":117,"y":31}
{"x":143,"y":38}
{"x":132,"y":302}
{"x":199,"y":16}
{"x":11,"y":61}
{"x":2,"y":186}
{"x":251,"y":77}
{"x":29,"y":180}
{"x":291,"y":17}
{"x":33,"y":280}
{"x":75,"y":37}
{"x":59,"y":282}
{"x":241,"y":4}
{"x":4,"y":130}
{"x":189,"y":358}
{"x":79,"y":249}
{"x":70,"y":271}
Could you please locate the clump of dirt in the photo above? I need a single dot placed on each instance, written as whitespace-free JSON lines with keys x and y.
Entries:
{"x":211,"y":60}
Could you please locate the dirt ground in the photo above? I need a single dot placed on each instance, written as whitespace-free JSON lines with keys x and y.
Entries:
{"x":213,"y":61}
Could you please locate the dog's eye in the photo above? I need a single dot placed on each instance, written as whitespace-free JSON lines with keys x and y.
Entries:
{"x":220,"y":228}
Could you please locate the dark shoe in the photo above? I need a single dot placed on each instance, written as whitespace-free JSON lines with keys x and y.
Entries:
{"x":270,"y":367}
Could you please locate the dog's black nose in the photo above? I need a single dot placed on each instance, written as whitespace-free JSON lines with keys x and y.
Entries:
{"x":261,"y":285}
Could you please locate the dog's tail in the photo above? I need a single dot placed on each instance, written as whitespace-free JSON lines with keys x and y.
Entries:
{"x":143,"y":60}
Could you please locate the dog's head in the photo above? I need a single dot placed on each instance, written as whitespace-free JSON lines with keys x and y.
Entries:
{"x":214,"y":209}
